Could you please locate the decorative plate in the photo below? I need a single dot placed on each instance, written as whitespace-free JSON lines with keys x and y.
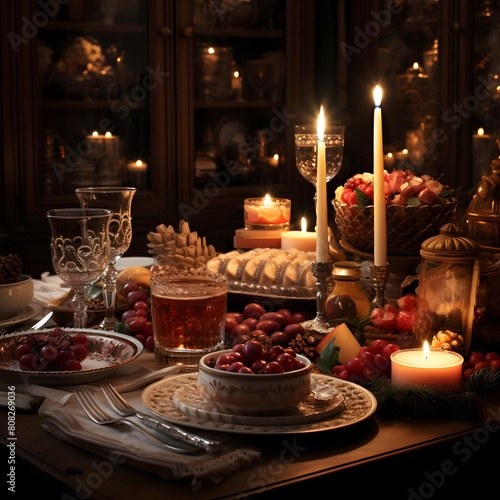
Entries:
{"x":107,"y":351}
{"x":164,"y":399}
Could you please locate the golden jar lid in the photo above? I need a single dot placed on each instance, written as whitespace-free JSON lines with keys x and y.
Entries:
{"x":346,"y":271}
{"x":449,"y":245}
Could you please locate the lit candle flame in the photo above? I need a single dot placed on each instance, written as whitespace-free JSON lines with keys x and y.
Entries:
{"x":211,"y":50}
{"x":95,"y":133}
{"x":377,"y":95}
{"x":321,"y":124}
{"x":426,"y":349}
{"x":267,"y":200}
{"x":139,"y":163}
{"x":480,"y":131}
{"x":303,"y":225}
{"x":415,"y":65}
{"x":236,"y":74}
{"x":108,"y":134}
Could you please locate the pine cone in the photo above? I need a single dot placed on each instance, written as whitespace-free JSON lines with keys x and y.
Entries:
{"x":11,"y":267}
{"x":182,"y":248}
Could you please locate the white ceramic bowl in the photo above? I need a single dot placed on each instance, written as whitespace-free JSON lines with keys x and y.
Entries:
{"x":253,"y":394}
{"x":14,"y":297}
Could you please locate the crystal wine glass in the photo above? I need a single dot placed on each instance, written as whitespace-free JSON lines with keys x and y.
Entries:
{"x":80,"y":249}
{"x":306,"y":151}
{"x":260,"y":74}
{"x":119,"y":201}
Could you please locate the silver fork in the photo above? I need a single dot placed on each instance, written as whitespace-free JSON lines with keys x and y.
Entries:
{"x":99,"y":416}
{"x":124,"y":409}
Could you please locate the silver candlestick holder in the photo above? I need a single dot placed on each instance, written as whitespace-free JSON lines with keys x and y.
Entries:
{"x":379,"y":275}
{"x":319,"y":326}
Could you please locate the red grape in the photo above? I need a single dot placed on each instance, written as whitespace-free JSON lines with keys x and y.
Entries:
{"x":253,"y":351}
{"x":130,"y":287}
{"x":136,"y":296}
{"x":286,"y":361}
{"x":273,"y":367}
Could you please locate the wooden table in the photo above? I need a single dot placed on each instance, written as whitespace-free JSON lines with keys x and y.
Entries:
{"x":397,"y":458}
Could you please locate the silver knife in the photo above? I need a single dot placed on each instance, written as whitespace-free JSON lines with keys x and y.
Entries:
{"x":122,"y":407}
{"x":42,"y":322}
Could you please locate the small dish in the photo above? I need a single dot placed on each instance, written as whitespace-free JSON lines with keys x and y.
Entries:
{"x":230,"y":132}
{"x":126,"y":262}
{"x":107,"y":352}
{"x":26,"y":314}
{"x":63,"y":311}
{"x":191,"y":402}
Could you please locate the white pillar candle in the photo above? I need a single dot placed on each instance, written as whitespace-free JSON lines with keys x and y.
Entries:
{"x":437,"y":369}
{"x":380,"y":230}
{"x":322,"y":254}
{"x":302,"y":240}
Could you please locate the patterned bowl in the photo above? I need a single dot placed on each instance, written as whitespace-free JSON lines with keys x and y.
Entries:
{"x":407,"y":226}
{"x":253,"y":394}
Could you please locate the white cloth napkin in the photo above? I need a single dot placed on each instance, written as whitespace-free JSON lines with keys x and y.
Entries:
{"x":69,"y":423}
{"x":47,"y":288}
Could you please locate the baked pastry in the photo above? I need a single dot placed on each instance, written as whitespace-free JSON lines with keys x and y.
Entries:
{"x":270,"y":267}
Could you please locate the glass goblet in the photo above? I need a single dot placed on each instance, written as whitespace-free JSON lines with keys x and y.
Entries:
{"x":306,"y":151}
{"x":119,"y":201}
{"x":79,"y":247}
{"x":260,"y":74}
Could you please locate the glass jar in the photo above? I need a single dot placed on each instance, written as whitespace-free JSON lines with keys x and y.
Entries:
{"x":447,"y":290}
{"x":347,"y":299}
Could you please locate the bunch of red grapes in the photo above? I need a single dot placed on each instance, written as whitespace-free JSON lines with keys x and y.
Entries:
{"x":478,"y":360}
{"x":52,"y":351}
{"x":253,"y":357}
{"x":372,"y":362}
{"x":137,"y":321}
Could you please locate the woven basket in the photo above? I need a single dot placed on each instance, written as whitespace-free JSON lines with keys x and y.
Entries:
{"x":407,"y":227}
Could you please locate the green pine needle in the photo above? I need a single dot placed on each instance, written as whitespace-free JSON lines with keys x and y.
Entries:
{"x":424,"y":402}
{"x":483,"y":381}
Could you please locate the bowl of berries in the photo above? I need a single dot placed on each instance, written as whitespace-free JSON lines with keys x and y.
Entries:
{"x":416,"y":208}
{"x":16,"y":288}
{"x":253,"y":380}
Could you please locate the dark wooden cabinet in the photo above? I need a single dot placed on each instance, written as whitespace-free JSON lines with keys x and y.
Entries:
{"x":436,"y":62}
{"x":141,"y":71}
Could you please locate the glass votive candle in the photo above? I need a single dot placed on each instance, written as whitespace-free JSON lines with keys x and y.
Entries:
{"x":267,"y":213}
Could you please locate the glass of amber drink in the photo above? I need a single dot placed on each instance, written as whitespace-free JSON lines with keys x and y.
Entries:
{"x":188,"y":309}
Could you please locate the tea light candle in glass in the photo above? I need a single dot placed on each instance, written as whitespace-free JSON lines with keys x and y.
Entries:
{"x":267,"y":213}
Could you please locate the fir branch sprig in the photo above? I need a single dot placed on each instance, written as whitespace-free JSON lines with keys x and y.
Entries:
{"x":483,"y":381}
{"x":425,"y":402}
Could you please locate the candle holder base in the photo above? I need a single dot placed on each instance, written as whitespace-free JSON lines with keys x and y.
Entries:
{"x":379,"y":275}
{"x":320,"y":326}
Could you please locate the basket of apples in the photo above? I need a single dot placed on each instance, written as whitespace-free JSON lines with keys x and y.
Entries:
{"x":416,"y":208}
